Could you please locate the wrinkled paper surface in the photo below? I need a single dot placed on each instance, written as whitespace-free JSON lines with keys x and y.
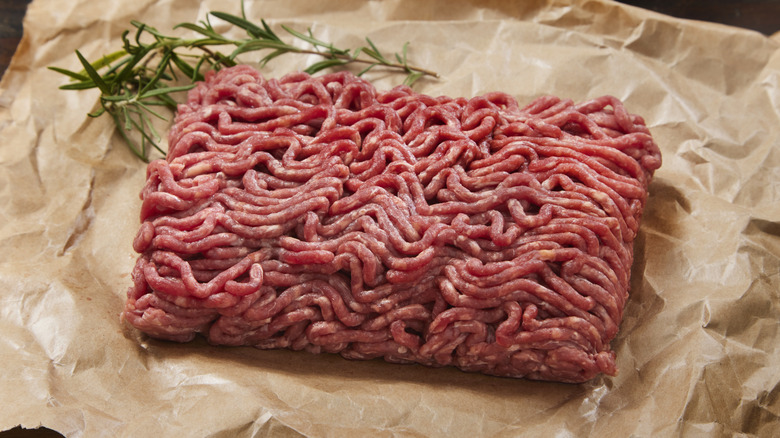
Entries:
{"x":699,"y":346}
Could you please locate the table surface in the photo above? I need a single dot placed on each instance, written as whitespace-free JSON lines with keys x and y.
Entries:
{"x":760,"y":15}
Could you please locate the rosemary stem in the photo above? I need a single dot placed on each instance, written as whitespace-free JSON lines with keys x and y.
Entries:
{"x":142,"y":75}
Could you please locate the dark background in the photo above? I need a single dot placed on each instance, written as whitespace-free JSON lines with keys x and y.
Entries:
{"x":760,"y":15}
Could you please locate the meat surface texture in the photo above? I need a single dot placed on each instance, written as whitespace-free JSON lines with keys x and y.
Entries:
{"x":319,"y":214}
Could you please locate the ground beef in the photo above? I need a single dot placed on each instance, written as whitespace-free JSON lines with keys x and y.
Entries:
{"x":318,"y":214}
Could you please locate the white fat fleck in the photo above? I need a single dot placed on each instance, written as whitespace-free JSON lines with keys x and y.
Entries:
{"x":600,"y":197}
{"x":197,"y":169}
{"x":547,"y":254}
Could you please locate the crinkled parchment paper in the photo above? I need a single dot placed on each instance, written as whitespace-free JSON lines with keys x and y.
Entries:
{"x":698,"y":349}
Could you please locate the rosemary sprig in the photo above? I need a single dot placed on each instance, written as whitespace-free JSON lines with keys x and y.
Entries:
{"x":140,"y":78}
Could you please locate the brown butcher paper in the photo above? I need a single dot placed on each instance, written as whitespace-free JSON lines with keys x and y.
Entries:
{"x":697,"y":350}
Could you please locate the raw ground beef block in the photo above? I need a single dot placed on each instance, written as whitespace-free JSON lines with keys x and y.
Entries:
{"x":319,"y":214}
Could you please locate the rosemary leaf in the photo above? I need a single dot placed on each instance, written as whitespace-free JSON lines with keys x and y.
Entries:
{"x":124,"y":75}
{"x":97,"y":113}
{"x":271,"y":56}
{"x":84,"y":85}
{"x":412,"y":78}
{"x":93,"y":74}
{"x":108,"y":59}
{"x":128,"y":141}
{"x":270,"y":32}
{"x":366,"y":70}
{"x":160,"y":72}
{"x":375,"y":53}
{"x":322,"y":65}
{"x":201,"y":30}
{"x":72,"y":74}
{"x":251,"y":29}
{"x":143,"y":27}
{"x":183,"y":66}
{"x":149,"y":110}
{"x":254,"y":45}
{"x":165,"y":91}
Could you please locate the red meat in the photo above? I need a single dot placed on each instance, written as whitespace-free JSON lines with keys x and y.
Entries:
{"x":318,"y":214}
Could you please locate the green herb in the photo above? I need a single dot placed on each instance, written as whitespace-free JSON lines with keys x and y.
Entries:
{"x":136,"y":81}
